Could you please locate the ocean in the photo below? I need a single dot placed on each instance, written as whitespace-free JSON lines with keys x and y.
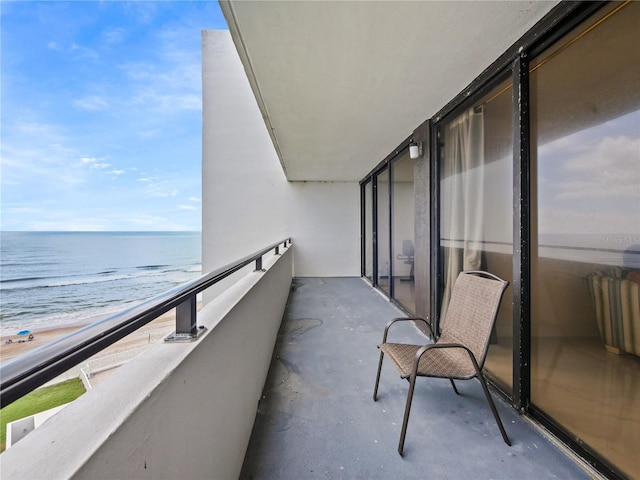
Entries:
{"x":54,"y":279}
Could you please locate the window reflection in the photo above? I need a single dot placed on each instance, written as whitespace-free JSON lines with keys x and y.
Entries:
{"x":586,"y":235}
{"x":476,"y":210}
{"x":368,"y":230}
{"x":382,"y":232}
{"x":403,"y":232}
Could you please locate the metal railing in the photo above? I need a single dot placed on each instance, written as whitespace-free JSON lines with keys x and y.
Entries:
{"x":36,"y":367}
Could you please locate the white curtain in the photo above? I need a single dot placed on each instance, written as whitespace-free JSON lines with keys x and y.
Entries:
{"x":462,"y":197}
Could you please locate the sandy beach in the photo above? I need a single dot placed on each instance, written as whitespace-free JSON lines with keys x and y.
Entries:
{"x":151,"y":333}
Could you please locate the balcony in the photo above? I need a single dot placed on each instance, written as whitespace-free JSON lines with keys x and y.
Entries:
{"x":187,"y":410}
{"x":317,"y":419}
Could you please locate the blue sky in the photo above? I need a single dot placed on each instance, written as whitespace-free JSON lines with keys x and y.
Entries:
{"x":101,"y":114}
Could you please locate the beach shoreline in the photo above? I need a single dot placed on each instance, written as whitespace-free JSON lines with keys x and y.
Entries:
{"x":153,"y":332}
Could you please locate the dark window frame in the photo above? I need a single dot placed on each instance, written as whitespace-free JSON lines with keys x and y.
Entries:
{"x":363,"y":225}
{"x":372,"y":176}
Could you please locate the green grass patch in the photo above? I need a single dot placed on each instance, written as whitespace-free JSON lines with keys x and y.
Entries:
{"x":38,"y":401}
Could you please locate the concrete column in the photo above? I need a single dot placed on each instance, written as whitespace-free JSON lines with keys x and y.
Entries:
{"x":422,"y":259}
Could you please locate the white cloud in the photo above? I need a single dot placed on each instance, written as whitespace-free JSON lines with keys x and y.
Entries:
{"x":146,"y":134}
{"x":144,"y":12}
{"x":39,"y":130}
{"x":37,"y":154}
{"x":610,"y":168}
{"x":41,"y":166}
{"x":94,"y":163}
{"x":159,"y":192}
{"x":65,"y":175}
{"x":173,"y":82}
{"x":168,"y":102}
{"x":145,"y":221}
{"x":18,"y":209}
{"x":137,"y":70}
{"x":187,"y":207}
{"x":589,"y":184}
{"x":114,"y":35}
{"x":158,"y":186}
{"x":86,"y":224}
{"x":83,"y":53}
{"x":91,"y":103}
{"x":558,"y":220}
{"x":194,"y":199}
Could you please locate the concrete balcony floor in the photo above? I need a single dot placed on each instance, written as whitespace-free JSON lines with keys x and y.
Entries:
{"x":317,"y":419}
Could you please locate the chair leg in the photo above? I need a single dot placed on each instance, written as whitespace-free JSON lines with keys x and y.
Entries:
{"x":493,"y":409}
{"x":375,"y":390}
{"x":407,"y":410}
{"x":454,"y":386}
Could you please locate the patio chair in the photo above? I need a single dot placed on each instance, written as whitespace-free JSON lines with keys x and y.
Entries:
{"x":460,"y":352}
{"x":407,"y":256}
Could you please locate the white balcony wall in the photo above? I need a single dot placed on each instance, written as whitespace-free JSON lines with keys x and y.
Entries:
{"x":243,"y":186}
{"x":324,"y":220}
{"x":247,"y":200}
{"x":179,"y":411}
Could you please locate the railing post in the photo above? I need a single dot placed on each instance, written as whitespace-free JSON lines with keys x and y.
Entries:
{"x":259,"y":265}
{"x":277,"y":249}
{"x":186,"y":317}
{"x":186,"y":327}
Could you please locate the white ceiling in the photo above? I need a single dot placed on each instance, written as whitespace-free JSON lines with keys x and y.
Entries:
{"x":341,"y":83}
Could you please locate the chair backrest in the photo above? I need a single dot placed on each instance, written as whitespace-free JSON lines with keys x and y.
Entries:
{"x":407,"y":248}
{"x":472,"y":311}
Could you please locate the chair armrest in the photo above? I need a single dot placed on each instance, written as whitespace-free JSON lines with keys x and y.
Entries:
{"x":403,"y":319}
{"x":431,"y":346}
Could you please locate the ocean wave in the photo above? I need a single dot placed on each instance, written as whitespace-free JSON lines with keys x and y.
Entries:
{"x":73,"y":282}
{"x":47,"y":282}
{"x":21,"y":264}
{"x":91,"y":281}
{"x":25,"y":279}
{"x":100,"y":277}
{"x":9,"y":281}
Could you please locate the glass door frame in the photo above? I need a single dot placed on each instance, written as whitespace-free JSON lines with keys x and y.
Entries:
{"x":384,"y":166}
{"x":515,"y":62}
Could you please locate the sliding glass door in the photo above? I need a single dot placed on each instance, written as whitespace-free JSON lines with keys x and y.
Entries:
{"x":585,"y":270}
{"x":476,"y":197}
{"x":383,"y":231}
{"x":388,"y":228}
{"x":367,"y":230}
{"x":402,"y":231}
{"x":566,"y":345}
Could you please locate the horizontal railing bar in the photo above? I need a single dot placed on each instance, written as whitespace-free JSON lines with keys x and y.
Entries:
{"x":558,"y":247}
{"x":36,"y":367}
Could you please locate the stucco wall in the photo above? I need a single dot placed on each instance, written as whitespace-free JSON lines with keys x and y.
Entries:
{"x":324,"y":220}
{"x":247,"y":201}
{"x":243,"y":186}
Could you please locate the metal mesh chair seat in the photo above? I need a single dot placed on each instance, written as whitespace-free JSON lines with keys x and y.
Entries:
{"x":440,"y":362}
{"x":460,"y":352}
